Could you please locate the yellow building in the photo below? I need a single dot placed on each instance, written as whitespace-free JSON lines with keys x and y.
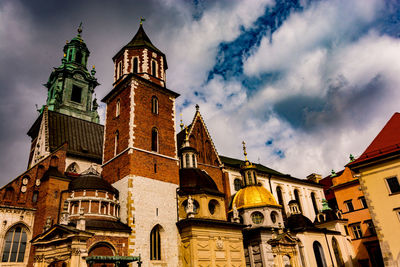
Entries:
{"x":378,"y":169}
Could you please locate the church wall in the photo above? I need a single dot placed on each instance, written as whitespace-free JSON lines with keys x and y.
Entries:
{"x":118,"y":241}
{"x":146,"y":203}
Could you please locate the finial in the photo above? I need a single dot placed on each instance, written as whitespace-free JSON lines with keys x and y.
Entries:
{"x":141,"y":20}
{"x":244,"y":150}
{"x":186,"y":133}
{"x":333,"y":173}
{"x":197,"y":107}
{"x":351,"y":158}
{"x":93,"y":71}
{"x":325,"y":205}
{"x":181,"y":125}
{"x":80,"y":29}
{"x":66,"y":42}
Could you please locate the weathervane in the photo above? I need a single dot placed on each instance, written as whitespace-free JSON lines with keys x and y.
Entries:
{"x":141,"y":20}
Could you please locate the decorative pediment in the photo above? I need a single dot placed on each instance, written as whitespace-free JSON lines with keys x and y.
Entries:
{"x":283,"y":239}
{"x":57,"y":233}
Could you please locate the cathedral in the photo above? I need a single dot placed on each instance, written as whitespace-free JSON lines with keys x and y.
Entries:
{"x":135,"y":192}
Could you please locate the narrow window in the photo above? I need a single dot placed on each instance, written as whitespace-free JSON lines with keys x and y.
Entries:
{"x":338,"y":254}
{"x":393,"y":183}
{"x":297,"y":197}
{"x":35,"y":196}
{"x":280,"y":199}
{"x":154,"y":140}
{"x":154,"y":105}
{"x":314,"y":202}
{"x":15,"y":245}
{"x":357,"y":233}
{"x":154,"y":68}
{"x":363,"y":202}
{"x":76,"y":94}
{"x":237,"y":183}
{"x":194,"y":160}
{"x":349,"y":205}
{"x":155,"y":244}
{"x":135,"y":65}
{"x":187,"y":161}
{"x":119,"y":70}
{"x":117,"y":108}
{"x":78,"y":57}
{"x":116,"y":143}
{"x":319,"y":254}
{"x":155,"y":167}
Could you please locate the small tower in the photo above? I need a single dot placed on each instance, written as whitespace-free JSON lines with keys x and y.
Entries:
{"x":141,"y":57}
{"x":248,"y":170}
{"x":71,"y":85}
{"x":188,"y":154}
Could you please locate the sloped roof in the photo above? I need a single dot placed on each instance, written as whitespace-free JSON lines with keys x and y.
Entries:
{"x":84,"y":138}
{"x":385,"y":143}
{"x":141,"y":39}
{"x":194,"y":180}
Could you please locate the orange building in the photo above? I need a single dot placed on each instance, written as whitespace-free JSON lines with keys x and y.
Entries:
{"x":352,"y":203}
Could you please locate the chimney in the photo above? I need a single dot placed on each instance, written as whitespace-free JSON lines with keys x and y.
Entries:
{"x":314,"y":177}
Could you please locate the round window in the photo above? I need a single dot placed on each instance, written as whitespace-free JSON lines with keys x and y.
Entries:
{"x":274,"y":216}
{"x":257,"y":217}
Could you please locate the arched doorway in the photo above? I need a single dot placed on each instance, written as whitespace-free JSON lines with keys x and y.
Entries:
{"x":102,"y":249}
{"x":319,"y":254}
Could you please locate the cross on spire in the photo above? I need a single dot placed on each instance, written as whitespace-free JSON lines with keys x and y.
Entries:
{"x":80,"y":29}
{"x":141,"y":20}
{"x":244,"y":150}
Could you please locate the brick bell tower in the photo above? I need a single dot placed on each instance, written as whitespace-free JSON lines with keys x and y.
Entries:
{"x":140,"y":154}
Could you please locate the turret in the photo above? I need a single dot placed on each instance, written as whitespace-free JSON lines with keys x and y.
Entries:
{"x":71,"y":85}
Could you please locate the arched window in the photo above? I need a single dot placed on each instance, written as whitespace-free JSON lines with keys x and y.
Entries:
{"x":286,"y":261}
{"x":15,"y":244}
{"x":319,"y":254}
{"x":338,"y":254}
{"x":237,"y":184}
{"x":154,"y":105}
{"x":212,"y":206}
{"x":274,"y":216}
{"x":155,"y":243}
{"x":154,"y":68}
{"x":154,"y":140}
{"x":297,"y":197}
{"x":117,"y":108}
{"x":135,"y":65}
{"x":119,"y":69}
{"x":314,"y":203}
{"x":280,"y":199}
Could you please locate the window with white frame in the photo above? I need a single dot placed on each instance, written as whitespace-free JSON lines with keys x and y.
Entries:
{"x":14,"y":246}
{"x":356,"y":229}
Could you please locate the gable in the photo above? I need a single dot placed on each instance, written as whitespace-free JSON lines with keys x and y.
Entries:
{"x":200,"y":138}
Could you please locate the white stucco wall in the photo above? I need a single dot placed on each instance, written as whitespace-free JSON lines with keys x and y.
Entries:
{"x":146,"y":203}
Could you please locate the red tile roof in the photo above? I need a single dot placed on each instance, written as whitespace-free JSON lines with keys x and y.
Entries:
{"x":386,"y":142}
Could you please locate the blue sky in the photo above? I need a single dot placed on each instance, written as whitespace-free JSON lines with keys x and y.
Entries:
{"x":304,"y":83}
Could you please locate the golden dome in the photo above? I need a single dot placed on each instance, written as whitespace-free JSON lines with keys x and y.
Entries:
{"x":253,"y":196}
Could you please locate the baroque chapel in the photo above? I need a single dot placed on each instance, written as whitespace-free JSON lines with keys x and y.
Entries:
{"x":134,"y":192}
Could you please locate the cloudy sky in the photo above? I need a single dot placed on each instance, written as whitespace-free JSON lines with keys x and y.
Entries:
{"x":304,"y":83}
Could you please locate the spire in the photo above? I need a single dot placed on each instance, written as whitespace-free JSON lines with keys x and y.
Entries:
{"x":244,"y":151}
